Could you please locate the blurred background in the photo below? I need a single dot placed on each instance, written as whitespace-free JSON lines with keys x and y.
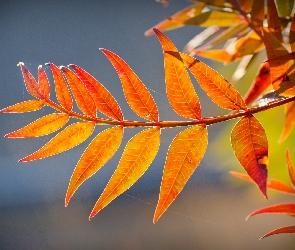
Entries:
{"x":211,"y":210}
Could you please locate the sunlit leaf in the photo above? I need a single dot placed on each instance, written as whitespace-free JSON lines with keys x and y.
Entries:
{"x":280,"y":208}
{"x":83,"y":98}
{"x":274,"y":26}
{"x":99,"y":152}
{"x":179,"y":88}
{"x":137,"y":95}
{"x":44,"y":86}
{"x":220,"y":55}
{"x":223,"y":36}
{"x":213,"y":17}
{"x":61,"y":89}
{"x":102,"y":98}
{"x":260,"y":84}
{"x":138,"y":154}
{"x":282,"y":230}
{"x":246,"y":45}
{"x":177,"y":20}
{"x":271,"y":184}
{"x":217,"y":87}
{"x":291,"y":169}
{"x":282,"y":71}
{"x":30,"y":82}
{"x":184,"y":155}
{"x":250,"y":145}
{"x":42,"y":126}
{"x":68,"y":138}
{"x":26,"y":106}
{"x":289,"y":121}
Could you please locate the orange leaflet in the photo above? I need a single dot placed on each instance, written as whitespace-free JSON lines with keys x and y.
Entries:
{"x":250,"y":145}
{"x":26,"y":106}
{"x":179,"y":88}
{"x":68,"y":138}
{"x":282,"y":230}
{"x":291,"y":169}
{"x":137,"y":95}
{"x":42,"y":126}
{"x":30,"y":82}
{"x":102,"y":98}
{"x":138,"y":154}
{"x":280,"y":208}
{"x":282,"y":71}
{"x":184,"y":155}
{"x":272,"y":184}
{"x":177,"y":20}
{"x":260,"y":84}
{"x":216,"y":87}
{"x":83,"y":98}
{"x":99,"y":151}
{"x":44,"y":86}
{"x":214,"y":54}
{"x":62,"y":92}
{"x":289,"y":121}
{"x":213,"y":17}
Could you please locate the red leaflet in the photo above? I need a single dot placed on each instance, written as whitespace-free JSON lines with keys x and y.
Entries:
{"x":272,"y":184}
{"x":280,"y":209}
{"x":137,"y":95}
{"x":83,"y":98}
{"x":30,"y":82}
{"x":184,"y":155}
{"x":68,"y":138}
{"x":261,"y":83}
{"x":179,"y":88}
{"x":61,"y":89}
{"x":26,"y":106}
{"x":138,"y":155}
{"x":250,"y":145}
{"x":102,"y":98}
{"x":42,"y":126}
{"x":44,"y":86}
{"x":282,"y":230}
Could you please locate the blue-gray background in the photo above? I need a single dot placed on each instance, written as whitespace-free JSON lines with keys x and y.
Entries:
{"x":208,"y":214}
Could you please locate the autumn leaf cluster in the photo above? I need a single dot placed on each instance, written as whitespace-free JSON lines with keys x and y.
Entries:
{"x":250,"y":30}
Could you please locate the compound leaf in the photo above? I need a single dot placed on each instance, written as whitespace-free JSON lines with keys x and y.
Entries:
{"x":99,"y":152}
{"x":42,"y":126}
{"x":138,"y":154}
{"x":183,"y":157}
{"x":102,"y":98}
{"x":137,"y":95}
{"x":250,"y":145}
{"x":68,"y":138}
{"x":179,"y":88}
